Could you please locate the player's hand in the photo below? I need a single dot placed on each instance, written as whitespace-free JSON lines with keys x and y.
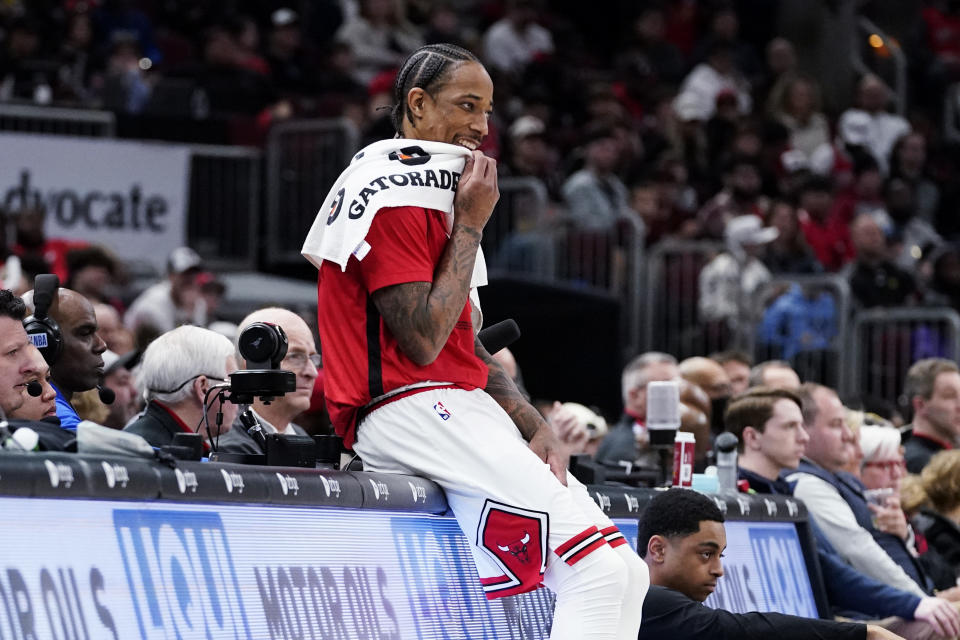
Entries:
{"x":879,"y":633}
{"x":548,"y":448}
{"x":477,"y":192}
{"x":941,"y":615}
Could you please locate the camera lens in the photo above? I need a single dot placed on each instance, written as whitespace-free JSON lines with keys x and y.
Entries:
{"x":259,"y":342}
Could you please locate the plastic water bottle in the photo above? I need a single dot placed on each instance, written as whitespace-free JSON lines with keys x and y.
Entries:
{"x":726,"y":446}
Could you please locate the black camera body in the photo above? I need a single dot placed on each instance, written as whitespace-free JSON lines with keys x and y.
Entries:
{"x":263,"y":346}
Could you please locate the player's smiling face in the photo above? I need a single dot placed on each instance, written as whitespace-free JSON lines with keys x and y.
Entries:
{"x":457,"y":111}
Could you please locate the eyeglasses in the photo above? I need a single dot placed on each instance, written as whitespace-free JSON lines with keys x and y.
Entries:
{"x":887,"y":465}
{"x":188,"y":381}
{"x":298,"y":361}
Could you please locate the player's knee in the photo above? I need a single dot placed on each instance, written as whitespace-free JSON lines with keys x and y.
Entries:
{"x":608,"y":572}
{"x":638,"y":576}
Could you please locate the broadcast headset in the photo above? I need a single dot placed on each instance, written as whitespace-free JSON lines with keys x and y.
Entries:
{"x":43,"y":331}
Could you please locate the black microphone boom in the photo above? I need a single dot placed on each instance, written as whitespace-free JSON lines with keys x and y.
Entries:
{"x":34,"y":388}
{"x":499,"y":335}
{"x":107,"y":396}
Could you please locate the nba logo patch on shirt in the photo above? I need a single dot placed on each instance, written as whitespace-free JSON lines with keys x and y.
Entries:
{"x":441,"y":411}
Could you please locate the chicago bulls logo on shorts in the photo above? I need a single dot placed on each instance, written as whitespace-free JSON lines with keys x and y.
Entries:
{"x":516,"y":540}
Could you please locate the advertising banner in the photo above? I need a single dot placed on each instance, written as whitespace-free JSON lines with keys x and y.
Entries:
{"x":764,"y":570}
{"x":128,"y":196}
{"x":177,"y":570}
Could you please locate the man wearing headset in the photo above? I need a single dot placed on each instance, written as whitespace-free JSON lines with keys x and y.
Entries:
{"x":66,"y":333}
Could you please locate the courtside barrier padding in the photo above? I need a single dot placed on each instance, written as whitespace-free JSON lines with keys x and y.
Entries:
{"x":64,"y":475}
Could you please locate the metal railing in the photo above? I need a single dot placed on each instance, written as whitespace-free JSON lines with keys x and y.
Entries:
{"x":304,"y":159}
{"x":671,"y":317}
{"x":883,"y":343}
{"x":517,"y":238}
{"x":877,"y":41}
{"x":57,"y":121}
{"x":803,"y":319}
{"x":223,"y":214}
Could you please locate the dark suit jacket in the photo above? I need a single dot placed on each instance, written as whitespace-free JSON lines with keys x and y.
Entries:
{"x":156,"y":425}
{"x":670,"y":614}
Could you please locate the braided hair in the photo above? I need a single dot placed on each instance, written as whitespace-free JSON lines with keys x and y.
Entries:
{"x":424,"y":68}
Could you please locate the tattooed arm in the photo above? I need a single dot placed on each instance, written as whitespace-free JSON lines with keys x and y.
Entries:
{"x":421,"y":315}
{"x":531,"y":424}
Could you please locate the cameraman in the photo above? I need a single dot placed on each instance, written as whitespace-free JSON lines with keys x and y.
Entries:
{"x":176,"y":372}
{"x":302,"y":359}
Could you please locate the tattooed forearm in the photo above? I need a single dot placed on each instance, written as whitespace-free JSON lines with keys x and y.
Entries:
{"x":502,"y":389}
{"x":421,"y":315}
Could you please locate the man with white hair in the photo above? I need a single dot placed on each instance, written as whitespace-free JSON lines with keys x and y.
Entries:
{"x":177,"y":370}
{"x":628,"y":439}
{"x":302,"y":359}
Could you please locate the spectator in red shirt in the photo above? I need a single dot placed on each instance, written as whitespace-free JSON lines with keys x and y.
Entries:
{"x":826,"y":233}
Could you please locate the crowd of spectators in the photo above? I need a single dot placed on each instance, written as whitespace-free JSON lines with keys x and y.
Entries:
{"x":692,"y":119}
{"x":681,"y":117}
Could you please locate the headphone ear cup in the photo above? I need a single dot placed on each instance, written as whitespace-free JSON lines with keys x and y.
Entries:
{"x":45,"y":335}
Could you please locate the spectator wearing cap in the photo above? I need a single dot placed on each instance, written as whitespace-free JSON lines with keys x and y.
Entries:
{"x":172,"y":302}
{"x":516,"y":40}
{"x":380,"y":37}
{"x":595,"y":196}
{"x":277,"y":416}
{"x":870,"y":124}
{"x":530,"y":154}
{"x":290,"y":68}
{"x":729,"y":282}
{"x":118,"y":377}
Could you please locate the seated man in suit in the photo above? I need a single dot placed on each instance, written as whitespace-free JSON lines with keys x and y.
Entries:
{"x":682,"y":539}
{"x":176,"y":372}
{"x":303,"y":360}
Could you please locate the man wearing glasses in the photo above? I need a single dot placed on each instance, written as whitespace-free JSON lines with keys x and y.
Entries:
{"x":176,"y":375}
{"x":303,"y":360}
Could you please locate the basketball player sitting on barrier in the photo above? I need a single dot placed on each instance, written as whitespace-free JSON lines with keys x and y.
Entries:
{"x":682,"y":539}
{"x":411,"y":389}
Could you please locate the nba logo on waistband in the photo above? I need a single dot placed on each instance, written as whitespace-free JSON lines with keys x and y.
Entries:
{"x":441,"y":411}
